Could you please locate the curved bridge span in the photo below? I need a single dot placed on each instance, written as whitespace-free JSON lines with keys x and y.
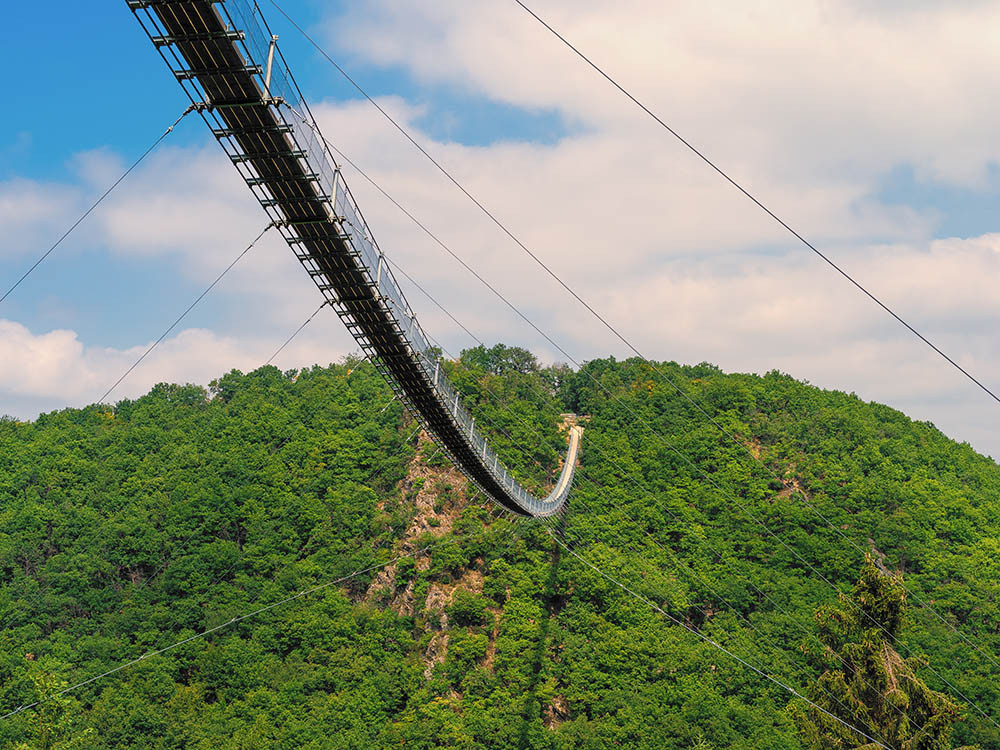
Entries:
{"x":228,"y":63}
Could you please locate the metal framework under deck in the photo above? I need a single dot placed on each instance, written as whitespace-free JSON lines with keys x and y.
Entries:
{"x":228,"y":63}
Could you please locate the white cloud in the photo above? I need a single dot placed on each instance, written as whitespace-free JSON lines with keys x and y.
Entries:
{"x":55,"y":369}
{"x":31,"y":214}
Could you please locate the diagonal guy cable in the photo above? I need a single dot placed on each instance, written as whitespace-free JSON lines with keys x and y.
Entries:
{"x":297,"y":332}
{"x":98,"y":202}
{"x":226,"y":624}
{"x":704,"y":158}
{"x":597,"y":315}
{"x":752,"y":198}
{"x":923,"y":603}
{"x":184,"y":314}
{"x":715,"y":644}
{"x":799,"y":237}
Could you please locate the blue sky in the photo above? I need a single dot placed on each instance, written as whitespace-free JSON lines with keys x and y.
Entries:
{"x":97,"y":70}
{"x":903,"y":189}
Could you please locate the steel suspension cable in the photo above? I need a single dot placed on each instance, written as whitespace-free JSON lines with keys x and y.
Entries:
{"x":98,"y":202}
{"x":679,"y":563}
{"x":757,"y":643}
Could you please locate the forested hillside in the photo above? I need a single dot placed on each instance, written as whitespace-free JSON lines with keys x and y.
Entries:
{"x":126,"y":530}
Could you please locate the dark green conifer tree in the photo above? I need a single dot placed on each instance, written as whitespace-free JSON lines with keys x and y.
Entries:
{"x":866,"y":683}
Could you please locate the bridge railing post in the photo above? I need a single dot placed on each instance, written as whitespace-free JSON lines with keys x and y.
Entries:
{"x":270,"y":64}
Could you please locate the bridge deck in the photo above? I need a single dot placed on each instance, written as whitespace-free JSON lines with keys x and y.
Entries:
{"x":230,"y":68}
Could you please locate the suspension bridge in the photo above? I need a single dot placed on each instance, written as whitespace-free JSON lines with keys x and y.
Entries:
{"x":228,"y":62}
{"x":229,"y":65}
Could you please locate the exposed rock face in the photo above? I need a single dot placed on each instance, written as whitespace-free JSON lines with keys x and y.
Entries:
{"x":556,"y":712}
{"x":438,"y":493}
{"x":437,"y":652}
